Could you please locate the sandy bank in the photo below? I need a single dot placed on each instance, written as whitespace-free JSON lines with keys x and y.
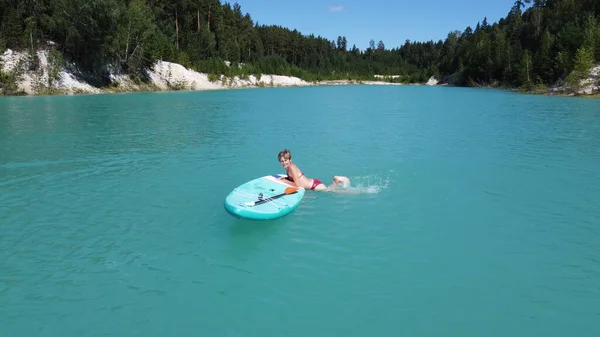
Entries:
{"x":163,"y":76}
{"x":49,"y":78}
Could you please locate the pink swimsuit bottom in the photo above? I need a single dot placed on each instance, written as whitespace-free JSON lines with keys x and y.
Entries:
{"x":316,"y":183}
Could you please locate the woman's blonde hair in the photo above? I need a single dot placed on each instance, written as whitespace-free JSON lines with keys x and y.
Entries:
{"x":284,"y":154}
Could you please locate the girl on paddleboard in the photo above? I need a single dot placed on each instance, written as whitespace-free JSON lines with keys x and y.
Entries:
{"x":295,"y":177}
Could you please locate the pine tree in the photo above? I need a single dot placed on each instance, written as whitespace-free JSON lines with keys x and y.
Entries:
{"x":584,"y":61}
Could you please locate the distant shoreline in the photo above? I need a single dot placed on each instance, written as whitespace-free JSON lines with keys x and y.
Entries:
{"x":169,"y":76}
{"x":164,"y":76}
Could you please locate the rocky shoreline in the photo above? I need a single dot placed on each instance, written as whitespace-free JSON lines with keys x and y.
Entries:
{"x":167,"y":76}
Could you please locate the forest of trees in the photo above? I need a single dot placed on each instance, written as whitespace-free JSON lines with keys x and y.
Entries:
{"x":535,"y":44}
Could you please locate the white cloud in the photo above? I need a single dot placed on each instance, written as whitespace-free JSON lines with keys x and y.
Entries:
{"x":338,"y":8}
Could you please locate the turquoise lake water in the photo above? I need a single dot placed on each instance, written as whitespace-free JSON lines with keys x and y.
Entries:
{"x":475,"y":213}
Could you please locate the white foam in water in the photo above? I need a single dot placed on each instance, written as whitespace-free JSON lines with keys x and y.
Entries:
{"x":370,"y":184}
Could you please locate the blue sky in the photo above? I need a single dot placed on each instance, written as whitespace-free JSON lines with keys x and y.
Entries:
{"x":392,"y":21}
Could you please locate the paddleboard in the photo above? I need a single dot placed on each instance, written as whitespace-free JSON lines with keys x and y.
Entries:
{"x":263,"y":198}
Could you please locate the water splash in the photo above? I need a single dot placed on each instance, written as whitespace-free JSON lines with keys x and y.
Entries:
{"x":369,"y":184}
